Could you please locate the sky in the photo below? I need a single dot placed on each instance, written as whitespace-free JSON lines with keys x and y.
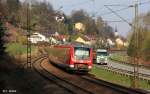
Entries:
{"x":97,"y":8}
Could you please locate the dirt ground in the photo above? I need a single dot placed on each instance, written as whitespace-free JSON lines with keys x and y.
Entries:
{"x":14,"y":79}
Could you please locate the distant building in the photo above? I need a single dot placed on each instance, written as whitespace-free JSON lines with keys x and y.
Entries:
{"x":53,"y":40}
{"x":84,"y":40}
{"x":57,"y":38}
{"x":56,"y":34}
{"x":116,"y":33}
{"x":37,"y":37}
{"x":91,"y":38}
{"x":110,"y":42}
{"x":121,"y":42}
{"x":79,"y":27}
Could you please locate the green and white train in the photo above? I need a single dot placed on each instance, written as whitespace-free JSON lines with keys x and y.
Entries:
{"x":102,"y":56}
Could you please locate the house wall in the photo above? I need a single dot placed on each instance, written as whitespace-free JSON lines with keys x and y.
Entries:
{"x":37,"y":37}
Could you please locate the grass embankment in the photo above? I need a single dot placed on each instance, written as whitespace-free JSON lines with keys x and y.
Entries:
{"x":124,"y":59}
{"x":120,"y":57}
{"x":14,"y":49}
{"x":117,"y":78}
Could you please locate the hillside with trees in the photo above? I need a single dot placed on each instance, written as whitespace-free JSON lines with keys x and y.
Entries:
{"x":42,"y":18}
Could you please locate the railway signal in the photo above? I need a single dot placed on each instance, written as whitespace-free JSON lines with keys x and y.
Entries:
{"x":28,"y":38}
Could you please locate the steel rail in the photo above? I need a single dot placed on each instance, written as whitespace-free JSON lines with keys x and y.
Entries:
{"x":120,"y":88}
{"x":126,"y":72}
{"x":60,"y":82}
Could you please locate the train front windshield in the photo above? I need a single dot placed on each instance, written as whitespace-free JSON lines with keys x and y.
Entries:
{"x":81,"y":53}
{"x":102,"y":54}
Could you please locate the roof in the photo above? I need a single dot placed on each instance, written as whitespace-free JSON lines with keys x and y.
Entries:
{"x":101,"y":50}
{"x":85,"y":38}
{"x":91,"y":37}
{"x":61,"y":37}
{"x":71,"y":45}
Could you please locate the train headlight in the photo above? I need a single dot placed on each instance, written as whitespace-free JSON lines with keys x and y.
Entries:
{"x":74,"y":60}
{"x":89,"y":67}
{"x":71,"y":66}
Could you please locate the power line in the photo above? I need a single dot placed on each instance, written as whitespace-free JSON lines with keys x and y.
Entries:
{"x":114,"y":21}
{"x":117,"y":21}
{"x":107,"y":13}
{"x":118,"y":15}
{"x":116,"y":5}
{"x":129,"y":6}
{"x":142,"y":3}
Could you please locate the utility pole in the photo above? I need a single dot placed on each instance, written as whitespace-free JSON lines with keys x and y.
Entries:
{"x":135,"y":26}
{"x":28,"y":38}
{"x":136,"y":43}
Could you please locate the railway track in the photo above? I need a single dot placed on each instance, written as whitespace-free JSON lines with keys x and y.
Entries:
{"x":126,"y":72}
{"x":39,"y":84}
{"x":116,"y":87}
{"x":49,"y":86}
{"x":60,"y":82}
{"x":85,"y":84}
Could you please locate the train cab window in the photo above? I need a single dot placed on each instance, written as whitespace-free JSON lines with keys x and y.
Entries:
{"x":102,"y":54}
{"x":81,"y":53}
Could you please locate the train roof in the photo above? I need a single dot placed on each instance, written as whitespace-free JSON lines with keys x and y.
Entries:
{"x":72,"y":45}
{"x":101,"y":50}
{"x":82,"y":46}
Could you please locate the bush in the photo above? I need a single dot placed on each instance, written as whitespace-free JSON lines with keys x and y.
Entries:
{"x":146,"y":48}
{"x":23,"y":40}
{"x":15,"y":49}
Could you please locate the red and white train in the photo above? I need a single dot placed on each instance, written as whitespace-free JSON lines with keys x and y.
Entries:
{"x":74,"y":58}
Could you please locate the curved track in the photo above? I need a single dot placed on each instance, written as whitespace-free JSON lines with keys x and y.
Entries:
{"x":126,"y":72}
{"x":80,"y":84}
{"x":116,"y":87}
{"x":73,"y":89}
{"x":59,"y":88}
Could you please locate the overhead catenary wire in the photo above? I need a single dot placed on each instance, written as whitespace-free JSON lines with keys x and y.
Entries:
{"x":117,"y":21}
{"x":142,"y":3}
{"x":122,"y":9}
{"x":118,"y":15}
{"x":107,"y":13}
{"x":116,"y":5}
